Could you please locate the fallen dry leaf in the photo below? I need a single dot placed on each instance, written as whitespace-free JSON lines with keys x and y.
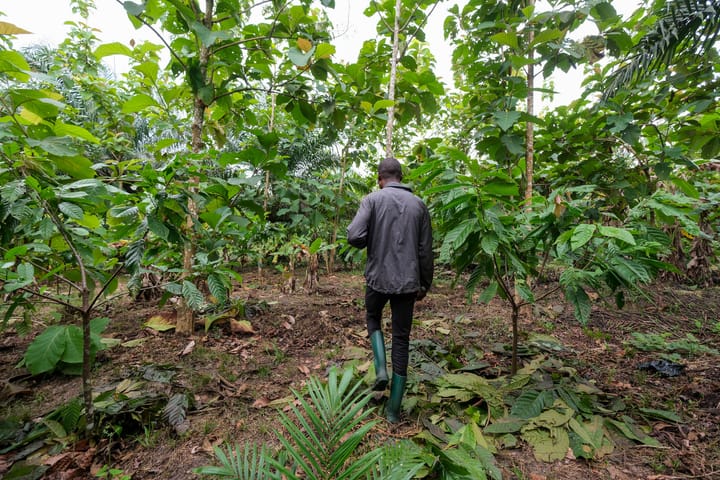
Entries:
{"x":261,"y":402}
{"x":304,"y":369}
{"x":241,"y":326}
{"x":209,"y":443}
{"x":188,"y":348}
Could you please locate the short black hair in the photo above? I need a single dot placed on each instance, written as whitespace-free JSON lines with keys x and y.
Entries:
{"x":390,"y":169}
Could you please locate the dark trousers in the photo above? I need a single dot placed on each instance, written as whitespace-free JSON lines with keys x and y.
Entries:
{"x":401,"y":306}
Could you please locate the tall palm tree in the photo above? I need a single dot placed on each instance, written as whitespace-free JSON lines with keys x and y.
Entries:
{"x":684,"y":27}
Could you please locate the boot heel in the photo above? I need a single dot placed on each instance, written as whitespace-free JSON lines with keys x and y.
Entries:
{"x":397,"y":390}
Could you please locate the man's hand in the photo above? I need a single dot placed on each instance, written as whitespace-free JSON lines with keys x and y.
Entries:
{"x":421,"y":294}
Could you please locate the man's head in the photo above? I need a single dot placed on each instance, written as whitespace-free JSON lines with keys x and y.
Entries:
{"x":389,"y":170}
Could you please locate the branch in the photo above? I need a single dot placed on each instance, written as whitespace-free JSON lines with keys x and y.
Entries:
{"x":248,"y":40}
{"x":167,"y":45}
{"x":40,"y":267}
{"x":501,"y":282}
{"x":105,"y":285}
{"x":61,"y":228}
{"x":54,"y":300}
{"x":382,"y":19}
{"x":422,"y":24}
{"x":544,"y":295}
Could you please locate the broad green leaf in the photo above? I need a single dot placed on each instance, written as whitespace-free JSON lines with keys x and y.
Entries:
{"x":14,"y":65}
{"x":77,"y":167}
{"x":500,"y":188}
{"x":60,"y":146}
{"x":73,"y":352}
{"x":380,"y":104}
{"x":545,"y":36}
{"x":30,"y":116}
{"x":505,"y":120}
{"x":557,"y":416}
{"x":98,"y":325}
{"x":324,"y":50}
{"x":63,"y":129}
{"x":55,"y":427}
{"x":489,"y":243}
{"x":529,"y":404}
{"x":548,"y":445}
{"x":138,"y":103}
{"x":615,"y":232}
{"x":71,"y":210}
{"x":628,"y":428}
{"x":298,"y":57}
{"x":581,"y":303}
{"x":133,"y":8}
{"x":209,"y":37}
{"x":582,"y":235}
{"x":158,"y":227}
{"x":686,"y":187}
{"x":114,"y":48}
{"x":662,"y":414}
{"x":505,"y":425}
{"x":489,"y":293}
{"x":509,"y":39}
{"x":44,"y":353}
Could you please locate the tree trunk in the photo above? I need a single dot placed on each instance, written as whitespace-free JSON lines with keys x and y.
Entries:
{"x":185,"y":317}
{"x":87,"y":361}
{"x":515,"y":334}
{"x":393,"y":78}
{"x":336,"y":220}
{"x":526,"y":311}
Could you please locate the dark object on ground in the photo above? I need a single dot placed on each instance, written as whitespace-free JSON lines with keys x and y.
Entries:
{"x":663,"y":367}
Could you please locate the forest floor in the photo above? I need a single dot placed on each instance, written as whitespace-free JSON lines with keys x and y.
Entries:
{"x":240,"y":376}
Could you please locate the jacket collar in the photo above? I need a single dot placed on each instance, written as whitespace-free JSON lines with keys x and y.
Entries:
{"x":398,"y":185}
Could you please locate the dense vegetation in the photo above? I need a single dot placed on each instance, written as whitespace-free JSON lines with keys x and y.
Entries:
{"x":237,"y":143}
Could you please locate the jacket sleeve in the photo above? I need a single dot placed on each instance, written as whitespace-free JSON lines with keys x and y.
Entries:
{"x":357,"y":231}
{"x":425,"y":252}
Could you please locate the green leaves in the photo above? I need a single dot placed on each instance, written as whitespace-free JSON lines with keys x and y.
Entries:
{"x":138,"y":103}
{"x":192,"y":295}
{"x":61,"y":347}
{"x":581,"y":235}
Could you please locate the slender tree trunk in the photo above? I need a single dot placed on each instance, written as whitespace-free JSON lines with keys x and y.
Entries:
{"x":526,"y":311}
{"x":87,"y":361}
{"x":185,"y":316}
{"x":515,"y":334}
{"x":393,"y":78}
{"x":336,"y":220}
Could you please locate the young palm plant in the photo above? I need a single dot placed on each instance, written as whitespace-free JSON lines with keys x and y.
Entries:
{"x":323,"y":433}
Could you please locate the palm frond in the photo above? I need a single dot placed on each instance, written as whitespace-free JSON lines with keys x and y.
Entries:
{"x":402,"y":461}
{"x":327,"y":429}
{"x":240,"y":464}
{"x":686,"y":26}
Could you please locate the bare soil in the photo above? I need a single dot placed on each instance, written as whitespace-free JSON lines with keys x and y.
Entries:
{"x":238,"y":379}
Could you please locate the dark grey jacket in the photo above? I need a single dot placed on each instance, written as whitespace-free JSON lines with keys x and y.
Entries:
{"x":395,"y":227}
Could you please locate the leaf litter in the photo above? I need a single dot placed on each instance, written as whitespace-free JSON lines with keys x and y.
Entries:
{"x":578,"y":398}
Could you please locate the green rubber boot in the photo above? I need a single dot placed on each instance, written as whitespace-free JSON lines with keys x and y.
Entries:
{"x":397,"y":390}
{"x":378,"y":347}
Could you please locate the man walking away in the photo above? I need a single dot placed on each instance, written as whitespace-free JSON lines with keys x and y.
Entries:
{"x":394,"y":225}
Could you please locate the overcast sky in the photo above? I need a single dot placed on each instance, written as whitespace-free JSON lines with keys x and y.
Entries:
{"x":46,"y":19}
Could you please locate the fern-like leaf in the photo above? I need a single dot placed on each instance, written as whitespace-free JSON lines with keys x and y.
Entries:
{"x":192,"y":295}
{"x":134,"y":255}
{"x":175,"y":412}
{"x":217,"y":288}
